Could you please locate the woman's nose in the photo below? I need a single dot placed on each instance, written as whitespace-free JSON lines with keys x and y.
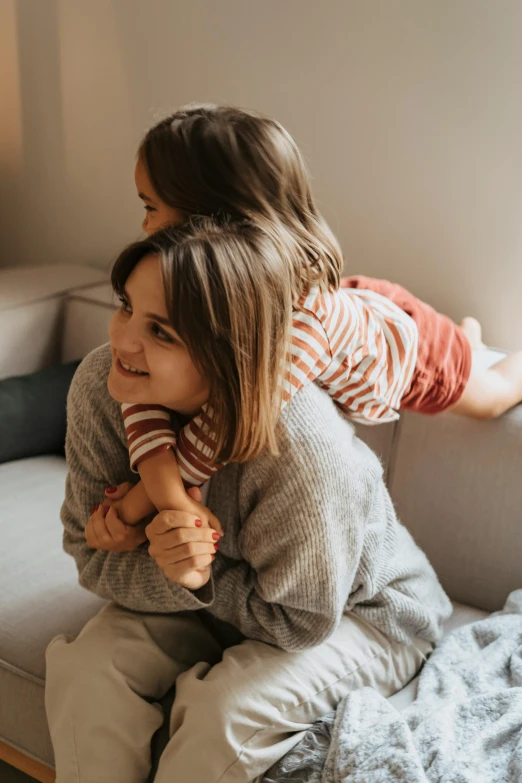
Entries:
{"x":124,"y":335}
{"x":145,"y":223}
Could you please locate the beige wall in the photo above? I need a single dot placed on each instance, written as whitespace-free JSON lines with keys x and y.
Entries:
{"x":409,"y":113}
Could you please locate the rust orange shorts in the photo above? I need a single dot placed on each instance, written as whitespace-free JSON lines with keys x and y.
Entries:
{"x":444,"y":357}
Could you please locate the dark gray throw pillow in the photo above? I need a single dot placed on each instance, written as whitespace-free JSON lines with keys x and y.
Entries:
{"x":32,"y":412}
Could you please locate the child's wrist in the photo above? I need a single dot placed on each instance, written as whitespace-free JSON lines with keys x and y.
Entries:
{"x":127,"y":516}
{"x":176,"y":501}
{"x":132,"y":509}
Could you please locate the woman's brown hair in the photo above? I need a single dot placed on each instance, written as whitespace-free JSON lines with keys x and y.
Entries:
{"x":207,"y":159}
{"x":227,"y":292}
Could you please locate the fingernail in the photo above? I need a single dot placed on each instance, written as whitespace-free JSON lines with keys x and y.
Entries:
{"x":111,"y":490}
{"x":216,"y":546}
{"x":95,"y":509}
{"x":198,"y":522}
{"x":216,"y":536}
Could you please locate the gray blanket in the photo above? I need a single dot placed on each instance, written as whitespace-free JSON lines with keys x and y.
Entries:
{"x":464,"y":727}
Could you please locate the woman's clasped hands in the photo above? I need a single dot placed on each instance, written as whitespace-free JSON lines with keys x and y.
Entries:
{"x":182,"y":545}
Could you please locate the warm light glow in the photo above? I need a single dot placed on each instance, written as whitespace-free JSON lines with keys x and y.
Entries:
{"x":10,"y":108}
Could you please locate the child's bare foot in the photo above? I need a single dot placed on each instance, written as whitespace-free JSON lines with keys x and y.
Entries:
{"x":473,"y":331}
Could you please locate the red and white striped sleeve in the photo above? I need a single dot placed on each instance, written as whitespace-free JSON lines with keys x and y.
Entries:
{"x":196,"y":447}
{"x":368,"y":351}
{"x":149,"y":431}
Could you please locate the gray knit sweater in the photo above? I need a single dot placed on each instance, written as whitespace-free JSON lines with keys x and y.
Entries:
{"x":309,"y":535}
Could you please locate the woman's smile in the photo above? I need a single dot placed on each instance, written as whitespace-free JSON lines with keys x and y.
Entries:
{"x":128,"y":370}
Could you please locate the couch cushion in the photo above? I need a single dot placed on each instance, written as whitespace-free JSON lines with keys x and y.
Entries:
{"x":462,"y":615}
{"x":39,"y":595}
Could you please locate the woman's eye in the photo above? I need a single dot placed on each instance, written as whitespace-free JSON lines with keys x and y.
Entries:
{"x":160,"y":333}
{"x":148,"y":208}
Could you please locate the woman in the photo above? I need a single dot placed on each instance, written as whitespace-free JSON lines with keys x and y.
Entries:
{"x":315,"y":590}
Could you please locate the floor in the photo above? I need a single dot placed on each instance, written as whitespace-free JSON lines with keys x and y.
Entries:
{"x":11,"y":775}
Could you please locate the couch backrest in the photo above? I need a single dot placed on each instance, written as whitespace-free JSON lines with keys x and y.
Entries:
{"x":457,"y":486}
{"x":86,"y":320}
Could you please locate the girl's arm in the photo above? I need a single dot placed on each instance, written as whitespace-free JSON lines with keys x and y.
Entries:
{"x":135,"y":506}
{"x":156,"y":456}
{"x":150,"y":438}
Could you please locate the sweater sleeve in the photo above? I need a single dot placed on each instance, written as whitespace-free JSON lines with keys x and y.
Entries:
{"x":97,"y":457}
{"x":301,"y":545}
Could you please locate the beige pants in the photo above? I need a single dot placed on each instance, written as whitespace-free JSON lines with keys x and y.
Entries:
{"x":235,"y":712}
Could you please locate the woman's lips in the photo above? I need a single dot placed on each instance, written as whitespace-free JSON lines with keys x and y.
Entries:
{"x":128,"y":373}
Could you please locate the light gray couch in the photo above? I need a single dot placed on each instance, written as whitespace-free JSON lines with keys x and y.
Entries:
{"x":457,"y":486}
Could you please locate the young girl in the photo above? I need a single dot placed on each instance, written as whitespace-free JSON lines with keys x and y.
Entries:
{"x":372,"y":346}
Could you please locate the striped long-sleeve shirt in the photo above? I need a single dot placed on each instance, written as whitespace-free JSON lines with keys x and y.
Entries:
{"x":357,"y":345}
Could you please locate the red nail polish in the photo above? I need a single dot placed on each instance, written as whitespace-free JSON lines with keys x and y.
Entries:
{"x":216,"y":546}
{"x":111,"y":490}
{"x":198,"y":522}
{"x":95,"y":509}
{"x":216,"y":536}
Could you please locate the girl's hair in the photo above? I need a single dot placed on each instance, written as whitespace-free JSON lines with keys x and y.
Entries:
{"x":207,"y":159}
{"x":227,"y":292}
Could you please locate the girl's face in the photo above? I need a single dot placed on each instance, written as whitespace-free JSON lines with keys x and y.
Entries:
{"x":157,"y":213}
{"x":142,"y":340}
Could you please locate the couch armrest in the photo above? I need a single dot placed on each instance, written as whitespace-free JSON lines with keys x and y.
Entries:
{"x":31,"y":313}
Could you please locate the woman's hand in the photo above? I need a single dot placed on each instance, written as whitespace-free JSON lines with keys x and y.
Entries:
{"x":182,"y":549}
{"x":190,"y":503}
{"x":130,"y":501}
{"x":106,"y":531}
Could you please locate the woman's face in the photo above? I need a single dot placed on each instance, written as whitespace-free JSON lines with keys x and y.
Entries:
{"x":142,"y":340}
{"x":157,"y":213}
